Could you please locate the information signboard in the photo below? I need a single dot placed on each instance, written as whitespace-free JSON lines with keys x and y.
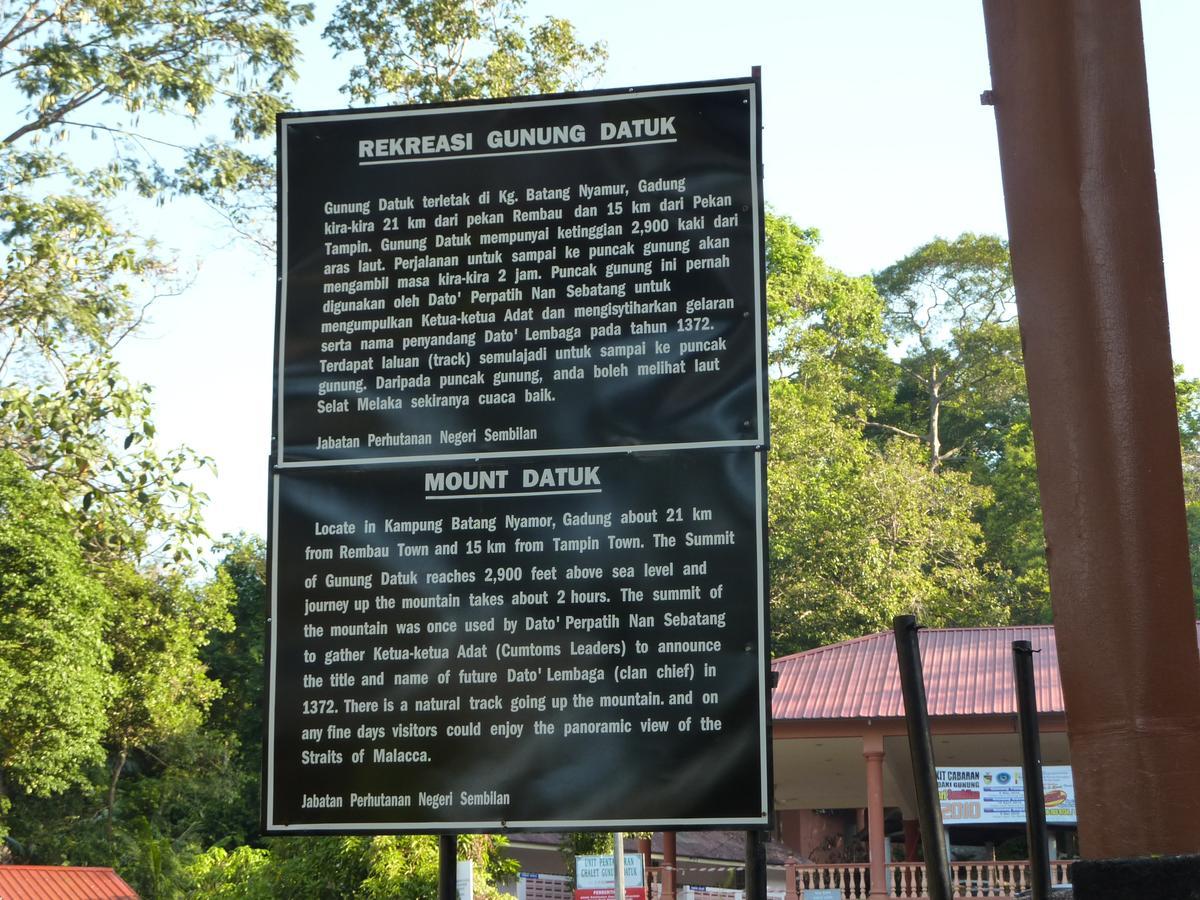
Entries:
{"x":996,"y":794}
{"x":564,"y":274}
{"x":487,"y":654}
{"x":517,"y":552}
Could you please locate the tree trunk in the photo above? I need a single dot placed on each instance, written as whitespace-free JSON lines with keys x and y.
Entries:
{"x":935,"y":412}
{"x":112,"y":790}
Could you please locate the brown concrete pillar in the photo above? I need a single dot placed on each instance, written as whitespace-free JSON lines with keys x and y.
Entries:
{"x":1072,"y":116}
{"x":875,"y":836}
{"x":790,"y":891}
{"x":668,"y":866}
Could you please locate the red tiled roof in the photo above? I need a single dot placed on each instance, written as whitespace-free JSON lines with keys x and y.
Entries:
{"x":968,"y":672}
{"x":62,"y":883}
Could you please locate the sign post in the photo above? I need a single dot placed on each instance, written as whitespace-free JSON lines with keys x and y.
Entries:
{"x":619,"y":865}
{"x":517,"y":555}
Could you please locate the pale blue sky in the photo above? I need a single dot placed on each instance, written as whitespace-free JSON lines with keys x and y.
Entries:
{"x":873,"y":133}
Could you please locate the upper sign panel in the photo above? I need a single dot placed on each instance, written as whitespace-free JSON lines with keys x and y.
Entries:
{"x":564,"y":274}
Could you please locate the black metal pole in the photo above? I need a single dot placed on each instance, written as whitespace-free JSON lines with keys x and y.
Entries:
{"x":916,"y":712}
{"x":756,"y":866}
{"x":448,"y":867}
{"x":1031,"y":767}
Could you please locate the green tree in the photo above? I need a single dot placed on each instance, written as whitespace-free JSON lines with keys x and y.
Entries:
{"x":1191,"y":495}
{"x":861,"y":533}
{"x":156,"y":631}
{"x":1187,"y":397}
{"x":173,"y":56}
{"x":235,"y":656}
{"x":425,"y":51}
{"x":951,"y":312}
{"x":958,"y":390}
{"x":403,"y":867}
{"x":54,"y":664}
{"x":74,"y":280}
{"x":860,"y":529}
{"x":66,"y":300}
{"x":410,"y":51}
{"x":77,"y":277}
{"x":824,"y":325}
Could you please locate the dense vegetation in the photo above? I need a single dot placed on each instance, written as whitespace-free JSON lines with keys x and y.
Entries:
{"x":901,"y":473}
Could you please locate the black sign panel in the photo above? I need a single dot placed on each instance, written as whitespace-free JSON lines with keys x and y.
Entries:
{"x":559,"y":274}
{"x":482,"y":646}
{"x":517,"y":548}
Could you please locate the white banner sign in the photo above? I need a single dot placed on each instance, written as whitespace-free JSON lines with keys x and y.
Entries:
{"x":597,"y":871}
{"x":987,"y":794}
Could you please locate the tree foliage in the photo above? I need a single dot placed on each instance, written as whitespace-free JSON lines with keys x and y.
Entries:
{"x":823,"y":323}
{"x":1187,"y":394}
{"x":172,"y":56}
{"x":425,"y":51}
{"x":861,"y":529}
{"x":951,"y":314}
{"x":156,"y":632}
{"x":74,"y":280}
{"x":333,"y":868}
{"x":54,"y":665}
{"x":67,"y":298}
{"x":235,"y":655}
{"x":862,"y":533}
{"x":411,"y":51}
{"x":1191,"y":495}
{"x":129,"y":724}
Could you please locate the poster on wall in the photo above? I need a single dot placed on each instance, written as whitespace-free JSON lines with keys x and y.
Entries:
{"x":996,"y":795}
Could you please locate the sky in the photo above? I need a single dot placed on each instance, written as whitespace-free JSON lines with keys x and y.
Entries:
{"x":872,"y":132}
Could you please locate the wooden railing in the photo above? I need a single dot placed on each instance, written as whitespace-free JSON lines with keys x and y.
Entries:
{"x":907,"y":880}
{"x":852,"y":878}
{"x":972,"y":879}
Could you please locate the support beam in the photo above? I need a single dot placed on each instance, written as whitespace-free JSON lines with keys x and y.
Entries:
{"x":875,"y":835}
{"x":1072,"y":115}
{"x":1038,"y":837}
{"x":668,"y":869}
{"x":447,"y":867}
{"x":756,"y":865}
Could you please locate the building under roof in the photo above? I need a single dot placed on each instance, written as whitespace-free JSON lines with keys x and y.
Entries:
{"x":841,"y":742}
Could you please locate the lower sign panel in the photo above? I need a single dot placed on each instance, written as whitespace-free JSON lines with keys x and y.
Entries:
{"x":533,"y":644}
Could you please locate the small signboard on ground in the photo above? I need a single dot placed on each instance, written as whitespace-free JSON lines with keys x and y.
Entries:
{"x":595,"y":878}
